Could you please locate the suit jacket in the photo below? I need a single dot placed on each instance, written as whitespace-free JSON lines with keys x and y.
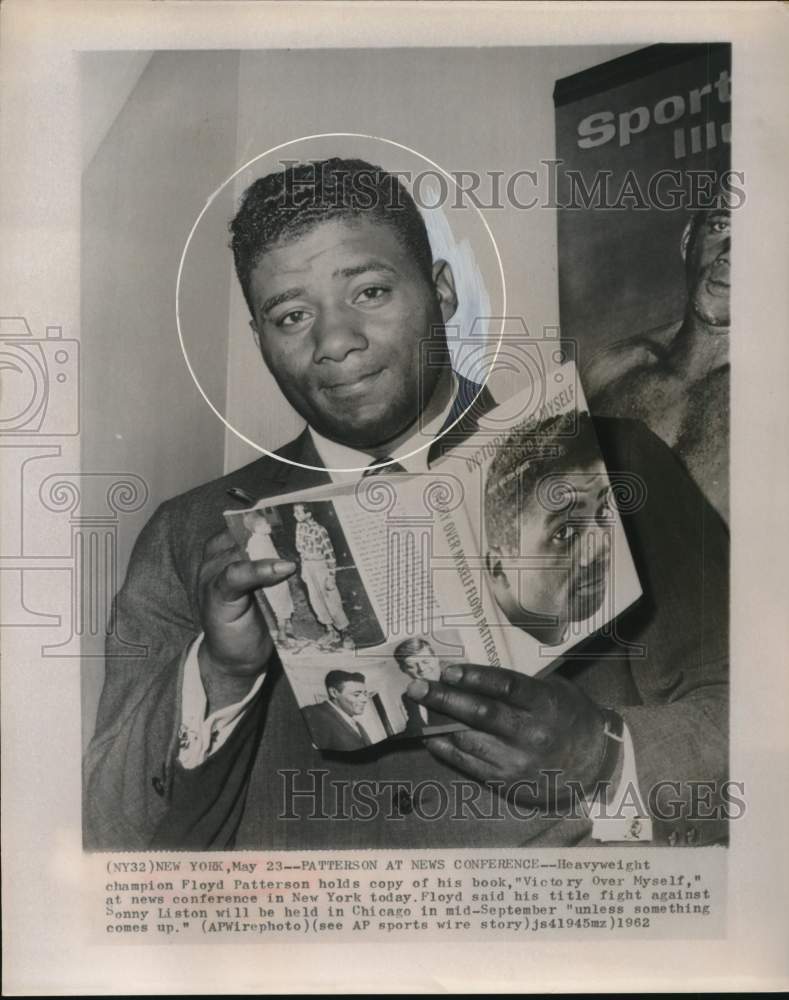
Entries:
{"x":664,"y":668}
{"x":330,"y":730}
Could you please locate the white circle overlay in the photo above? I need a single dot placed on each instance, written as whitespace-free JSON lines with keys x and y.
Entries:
{"x":218,"y":191}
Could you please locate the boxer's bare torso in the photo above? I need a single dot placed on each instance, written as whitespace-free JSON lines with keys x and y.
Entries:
{"x":677,"y":384}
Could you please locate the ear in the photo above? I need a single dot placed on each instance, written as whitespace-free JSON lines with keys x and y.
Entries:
{"x":684,"y":243}
{"x":494,"y":567}
{"x":444,"y":285}
{"x":256,"y":334}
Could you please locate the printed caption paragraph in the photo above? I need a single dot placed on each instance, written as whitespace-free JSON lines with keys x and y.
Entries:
{"x":646,"y":893}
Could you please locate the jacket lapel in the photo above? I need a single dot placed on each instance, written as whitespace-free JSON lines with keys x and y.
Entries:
{"x":471,"y":403}
{"x":297,"y":467}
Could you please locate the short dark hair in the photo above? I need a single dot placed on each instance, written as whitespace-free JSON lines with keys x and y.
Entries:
{"x":560,"y":444}
{"x":409,"y":647}
{"x":336,"y":679}
{"x":284,"y":205}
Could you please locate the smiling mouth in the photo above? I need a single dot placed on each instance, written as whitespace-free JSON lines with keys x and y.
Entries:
{"x":353,"y":387}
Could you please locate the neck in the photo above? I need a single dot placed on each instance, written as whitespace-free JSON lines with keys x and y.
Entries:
{"x":546,"y":629}
{"x":700,"y":347}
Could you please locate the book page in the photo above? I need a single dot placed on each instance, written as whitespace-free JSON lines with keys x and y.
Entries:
{"x":382,"y":594}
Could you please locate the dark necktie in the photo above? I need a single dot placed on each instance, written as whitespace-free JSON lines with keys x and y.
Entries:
{"x":375,"y":467}
{"x":363,"y":733}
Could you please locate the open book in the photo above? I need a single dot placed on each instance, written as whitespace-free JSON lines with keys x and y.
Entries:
{"x":508,"y":552}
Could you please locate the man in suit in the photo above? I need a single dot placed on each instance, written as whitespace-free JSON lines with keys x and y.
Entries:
{"x":416,"y":659}
{"x":334,"y":724}
{"x":348,"y":310}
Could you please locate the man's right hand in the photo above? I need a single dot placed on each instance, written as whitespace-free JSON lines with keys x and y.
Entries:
{"x":236,"y":643}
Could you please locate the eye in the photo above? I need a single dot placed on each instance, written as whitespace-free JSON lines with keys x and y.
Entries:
{"x":293,"y":318}
{"x":373,"y":293}
{"x":719,"y":225}
{"x":566,"y":533}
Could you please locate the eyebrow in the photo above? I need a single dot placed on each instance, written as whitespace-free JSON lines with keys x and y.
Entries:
{"x":280,"y":297}
{"x":344,"y":272}
{"x":368,"y":265}
{"x":561,"y":513}
{"x":556,"y":516}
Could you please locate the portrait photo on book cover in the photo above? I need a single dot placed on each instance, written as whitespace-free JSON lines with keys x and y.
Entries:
{"x":435,"y":550}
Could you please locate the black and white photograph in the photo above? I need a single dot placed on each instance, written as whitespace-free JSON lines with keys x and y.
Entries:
{"x":323,"y":607}
{"x":391,"y":417}
{"x":342,"y":305}
{"x":351,"y":703}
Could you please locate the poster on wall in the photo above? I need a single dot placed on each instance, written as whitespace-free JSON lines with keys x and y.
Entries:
{"x":645,"y":191}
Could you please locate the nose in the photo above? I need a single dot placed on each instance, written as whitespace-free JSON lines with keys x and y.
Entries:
{"x":594,"y":544}
{"x":336,"y":332}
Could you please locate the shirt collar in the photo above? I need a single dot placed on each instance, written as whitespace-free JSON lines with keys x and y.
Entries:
{"x":340,"y":457}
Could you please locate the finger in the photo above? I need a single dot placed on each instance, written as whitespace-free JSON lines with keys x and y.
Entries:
{"x":486,"y":714}
{"x":218,"y":543}
{"x":500,"y":684}
{"x":444,"y":749}
{"x":483,"y":746}
{"x":238,"y":579}
{"x":217,"y":556}
{"x":496,"y":754}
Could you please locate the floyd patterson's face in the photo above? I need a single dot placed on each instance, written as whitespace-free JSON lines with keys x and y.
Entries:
{"x":560,"y":574}
{"x":424,"y":664}
{"x":352,"y":697}
{"x":340,"y":316}
{"x":707,"y":264}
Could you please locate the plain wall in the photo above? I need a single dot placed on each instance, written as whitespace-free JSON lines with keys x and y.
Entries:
{"x":170,"y":145}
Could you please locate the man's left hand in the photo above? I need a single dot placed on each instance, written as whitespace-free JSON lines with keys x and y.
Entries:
{"x":520,"y":728}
